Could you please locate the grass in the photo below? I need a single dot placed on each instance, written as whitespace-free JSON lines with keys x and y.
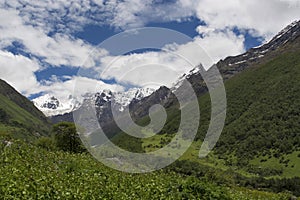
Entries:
{"x":29,"y":172}
{"x":20,"y":120}
{"x":291,"y":169}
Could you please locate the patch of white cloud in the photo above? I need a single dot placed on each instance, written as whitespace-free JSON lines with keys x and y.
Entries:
{"x":264,"y":18}
{"x":59,"y":15}
{"x":137,"y":13}
{"x":71,"y":16}
{"x":18,"y":71}
{"x":140,"y":70}
{"x":220,"y":44}
{"x":155,"y":68}
{"x":59,"y":49}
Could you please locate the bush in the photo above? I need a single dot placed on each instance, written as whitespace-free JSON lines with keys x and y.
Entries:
{"x":46,"y":143}
{"x":66,"y":137}
{"x":3,"y":115}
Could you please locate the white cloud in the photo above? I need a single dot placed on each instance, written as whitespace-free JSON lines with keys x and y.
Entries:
{"x":18,"y":71}
{"x":63,"y":16}
{"x":265,"y":18}
{"x":220,"y":44}
{"x":77,"y":86}
{"x":71,"y":16}
{"x":137,"y":13}
{"x":56,"y":50}
{"x":157,"y":68}
{"x":164,"y":67}
{"x":153,"y":68}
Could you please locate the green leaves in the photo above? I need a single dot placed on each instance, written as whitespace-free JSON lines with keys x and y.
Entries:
{"x":31,"y":172}
{"x":66,"y":137}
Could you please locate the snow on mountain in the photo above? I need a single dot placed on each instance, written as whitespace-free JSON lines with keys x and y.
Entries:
{"x":179,"y":81}
{"x":51,"y":105}
{"x":124,"y":98}
{"x":287,"y":29}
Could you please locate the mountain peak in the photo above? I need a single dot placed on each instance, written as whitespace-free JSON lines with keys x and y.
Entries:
{"x":51,"y":105}
{"x":291,"y":29}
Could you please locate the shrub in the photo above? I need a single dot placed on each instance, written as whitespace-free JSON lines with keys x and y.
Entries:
{"x":66,"y":137}
{"x":46,"y":143}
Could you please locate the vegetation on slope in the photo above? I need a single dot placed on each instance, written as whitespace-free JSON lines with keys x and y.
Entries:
{"x":29,"y":172}
{"x":263,"y":110}
{"x":14,"y":96}
{"x":261,"y":137}
{"x":19,"y":118}
{"x":262,"y":116}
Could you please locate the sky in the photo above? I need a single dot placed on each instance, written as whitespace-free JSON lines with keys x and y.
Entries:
{"x":43,"y":44}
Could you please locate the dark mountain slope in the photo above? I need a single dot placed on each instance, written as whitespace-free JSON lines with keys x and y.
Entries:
{"x":262,"y":130}
{"x":283,"y":49}
{"x":264,"y":110}
{"x":10,"y":93}
{"x":19,"y":117}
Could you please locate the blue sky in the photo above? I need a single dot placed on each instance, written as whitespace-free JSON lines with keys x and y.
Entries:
{"x":95,"y":34}
{"x":45,"y":43}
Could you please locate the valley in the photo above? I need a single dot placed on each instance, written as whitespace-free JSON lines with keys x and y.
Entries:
{"x":256,"y":157}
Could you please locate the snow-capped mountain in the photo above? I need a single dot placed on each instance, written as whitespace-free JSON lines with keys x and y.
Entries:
{"x":125,"y":98}
{"x":179,"y":81}
{"x":51,"y":105}
{"x":234,"y":64}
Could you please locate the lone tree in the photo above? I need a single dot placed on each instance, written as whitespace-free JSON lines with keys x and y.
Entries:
{"x":66,"y":137}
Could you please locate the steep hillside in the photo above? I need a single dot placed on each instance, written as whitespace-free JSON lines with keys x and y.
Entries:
{"x":19,"y":117}
{"x":262,"y":131}
{"x":263,"y":117}
{"x":10,"y":93}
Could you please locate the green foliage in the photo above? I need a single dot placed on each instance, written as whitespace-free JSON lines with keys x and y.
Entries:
{"x":263,"y":112}
{"x":20,"y":123}
{"x":46,"y":143}
{"x":66,"y":137}
{"x":20,"y":101}
{"x":3,"y":116}
{"x":231,"y":178}
{"x":29,"y":172}
{"x":128,"y":142}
